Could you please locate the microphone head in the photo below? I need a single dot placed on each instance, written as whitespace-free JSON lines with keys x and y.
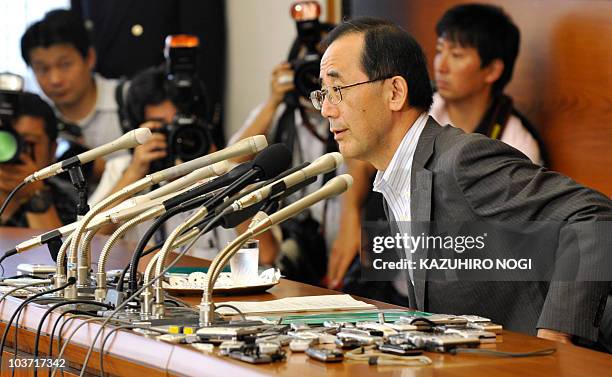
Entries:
{"x":340,"y":183}
{"x":337,"y":157}
{"x":141,"y":135}
{"x":273,"y":160}
{"x":258,"y":142}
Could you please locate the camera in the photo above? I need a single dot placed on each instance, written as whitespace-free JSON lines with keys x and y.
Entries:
{"x":12,"y":145}
{"x":306,"y":69}
{"x":188,"y":136}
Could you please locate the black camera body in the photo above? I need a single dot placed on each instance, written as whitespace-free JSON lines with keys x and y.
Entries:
{"x":188,"y":136}
{"x":306,"y":68}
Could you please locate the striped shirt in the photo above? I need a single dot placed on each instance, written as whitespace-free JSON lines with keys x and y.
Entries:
{"x":394,"y":182}
{"x":394,"y":185}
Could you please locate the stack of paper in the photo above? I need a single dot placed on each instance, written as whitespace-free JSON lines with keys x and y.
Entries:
{"x":298,"y":304}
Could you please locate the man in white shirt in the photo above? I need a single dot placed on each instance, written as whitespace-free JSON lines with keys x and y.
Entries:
{"x":59,"y":51}
{"x":476,"y":50}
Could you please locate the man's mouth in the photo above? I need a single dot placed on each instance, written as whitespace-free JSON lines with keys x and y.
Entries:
{"x":442,"y":84}
{"x":338,"y":133}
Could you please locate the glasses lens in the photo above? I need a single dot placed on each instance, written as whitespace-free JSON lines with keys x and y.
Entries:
{"x":334,"y":96}
{"x":316,"y":98}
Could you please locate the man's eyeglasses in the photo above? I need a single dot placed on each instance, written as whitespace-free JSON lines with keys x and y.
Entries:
{"x":333,"y":93}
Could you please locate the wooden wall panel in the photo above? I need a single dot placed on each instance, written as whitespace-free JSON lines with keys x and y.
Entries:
{"x":562,"y":79}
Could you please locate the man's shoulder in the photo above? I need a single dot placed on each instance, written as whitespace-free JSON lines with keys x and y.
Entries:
{"x":106,"y":93}
{"x":449,"y":139}
{"x":453,"y":147}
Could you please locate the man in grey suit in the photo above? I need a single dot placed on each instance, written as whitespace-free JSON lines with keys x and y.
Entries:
{"x":376,"y":93}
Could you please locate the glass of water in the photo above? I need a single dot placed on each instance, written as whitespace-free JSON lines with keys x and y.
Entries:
{"x":244,"y":263}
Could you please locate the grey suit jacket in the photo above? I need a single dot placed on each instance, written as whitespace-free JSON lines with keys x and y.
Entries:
{"x":470,"y":177}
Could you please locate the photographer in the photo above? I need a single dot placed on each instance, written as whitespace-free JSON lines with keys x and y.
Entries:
{"x":149,"y":104}
{"x":58,"y":50}
{"x":330,"y":229}
{"x":31,"y":132}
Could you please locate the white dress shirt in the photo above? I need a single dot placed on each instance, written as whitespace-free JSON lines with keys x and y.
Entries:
{"x":394,"y":185}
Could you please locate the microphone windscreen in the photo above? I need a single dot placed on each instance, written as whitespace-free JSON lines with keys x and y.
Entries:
{"x":273,"y":160}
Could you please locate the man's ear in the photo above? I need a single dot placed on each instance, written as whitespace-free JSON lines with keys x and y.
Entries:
{"x":91,"y":58}
{"x":398,"y":92}
{"x":494,"y":71}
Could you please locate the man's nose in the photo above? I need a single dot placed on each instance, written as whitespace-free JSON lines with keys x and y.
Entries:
{"x":55,"y":76}
{"x":328,"y":110}
{"x":441,"y":63}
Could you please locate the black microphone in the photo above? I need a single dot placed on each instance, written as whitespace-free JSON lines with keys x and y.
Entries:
{"x":269,"y":206}
{"x":215,"y":184}
{"x":269,"y":163}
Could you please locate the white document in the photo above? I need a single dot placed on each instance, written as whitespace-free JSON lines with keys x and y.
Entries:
{"x":297,"y":304}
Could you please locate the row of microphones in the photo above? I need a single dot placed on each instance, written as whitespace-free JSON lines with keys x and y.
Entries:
{"x":207,"y":166}
{"x":263,"y":223}
{"x":268,"y":164}
{"x":78,"y":253}
{"x":227,"y":197}
{"x":334,"y":187}
{"x":281,"y":186}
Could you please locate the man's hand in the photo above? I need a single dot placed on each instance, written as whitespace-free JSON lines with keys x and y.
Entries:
{"x":281,"y":82}
{"x":154,"y":149}
{"x":554,"y":336}
{"x":13,"y":174}
{"x":344,"y":249}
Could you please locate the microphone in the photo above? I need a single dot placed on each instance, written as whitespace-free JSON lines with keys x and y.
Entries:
{"x":140,"y":203}
{"x":234,"y":218}
{"x":267,"y":164}
{"x":335,"y":186}
{"x":129,"y":140}
{"x":214,"y":170}
{"x":243,"y":147}
{"x":321,"y":165}
{"x":212,"y":185}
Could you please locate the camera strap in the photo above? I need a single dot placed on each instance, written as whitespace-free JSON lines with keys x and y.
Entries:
{"x":286,"y":132}
{"x":120,"y":96}
{"x":495,"y":119}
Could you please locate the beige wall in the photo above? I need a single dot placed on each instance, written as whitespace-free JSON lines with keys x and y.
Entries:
{"x":260,"y":33}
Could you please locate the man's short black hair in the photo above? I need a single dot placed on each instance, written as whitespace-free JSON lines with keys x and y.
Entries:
{"x":489,"y":30}
{"x":390,"y":51}
{"x":32,"y":105}
{"x":150,"y":87}
{"x":60,"y":26}
{"x":146,"y":88}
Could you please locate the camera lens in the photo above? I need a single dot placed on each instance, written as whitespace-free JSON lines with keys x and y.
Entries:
{"x":189,"y":142}
{"x":9,"y":146}
{"x":307,"y":75}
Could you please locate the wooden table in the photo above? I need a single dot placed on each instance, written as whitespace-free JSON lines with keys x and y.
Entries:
{"x":131,"y":354}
